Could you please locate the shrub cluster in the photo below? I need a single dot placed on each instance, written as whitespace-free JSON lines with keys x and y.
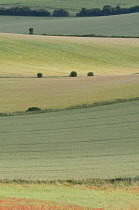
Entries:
{"x":27,"y":11}
{"x":107,"y":10}
{"x":60,"y":13}
{"x":33,"y":109}
{"x":74,"y":74}
{"x":24,"y":11}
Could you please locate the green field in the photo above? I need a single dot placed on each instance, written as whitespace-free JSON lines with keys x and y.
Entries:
{"x":26,"y":55}
{"x":68,"y":4}
{"x":116,"y":25}
{"x":97,"y":142}
{"x":77,"y":145}
{"x":63,"y":197}
{"x":18,"y":94}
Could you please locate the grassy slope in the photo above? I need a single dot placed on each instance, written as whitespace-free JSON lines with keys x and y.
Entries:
{"x":68,"y":4}
{"x":59,"y":195}
{"x":85,"y":143}
{"x":20,"y":94}
{"x":24,"y":55}
{"x":108,"y":26}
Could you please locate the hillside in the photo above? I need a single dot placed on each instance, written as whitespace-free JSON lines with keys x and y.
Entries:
{"x":24,"y":55}
{"x":18,"y":94}
{"x":99,"y":142}
{"x":116,"y":25}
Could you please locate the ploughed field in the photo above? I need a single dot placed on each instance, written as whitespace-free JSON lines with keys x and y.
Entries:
{"x":24,"y":55}
{"x":116,"y":25}
{"x":97,"y":142}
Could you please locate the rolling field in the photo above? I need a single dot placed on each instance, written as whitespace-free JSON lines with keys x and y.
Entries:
{"x":68,"y":197}
{"x":26,"y":55}
{"x":109,"y":26}
{"x":97,"y":142}
{"x":68,"y":4}
{"x":78,"y":144}
{"x":18,"y":94}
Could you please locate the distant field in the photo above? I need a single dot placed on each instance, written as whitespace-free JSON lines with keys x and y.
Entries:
{"x":99,"y":142}
{"x":20,"y":94}
{"x":68,"y":4}
{"x":24,"y":55}
{"x":116,"y":25}
{"x":63,"y":197}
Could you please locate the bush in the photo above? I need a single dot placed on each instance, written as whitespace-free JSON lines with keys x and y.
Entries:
{"x":39,"y":75}
{"x":31,"y":31}
{"x":90,"y":74}
{"x":60,"y":13}
{"x":33,"y":109}
{"x":73,"y":74}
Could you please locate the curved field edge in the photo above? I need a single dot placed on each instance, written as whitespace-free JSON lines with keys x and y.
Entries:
{"x":18,"y":94}
{"x":59,"y":196}
{"x":25,"y":55}
{"x":118,"y":25}
{"x":122,"y":100}
{"x":97,"y":142}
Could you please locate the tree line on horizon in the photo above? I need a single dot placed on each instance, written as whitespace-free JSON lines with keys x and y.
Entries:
{"x":105,"y":11}
{"x":27,"y":11}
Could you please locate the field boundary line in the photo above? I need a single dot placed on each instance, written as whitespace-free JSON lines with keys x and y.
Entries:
{"x":96,"y":104}
{"x":90,"y":35}
{"x":127,"y":181}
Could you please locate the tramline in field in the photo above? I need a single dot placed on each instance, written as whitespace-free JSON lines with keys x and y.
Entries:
{"x":97,"y":142}
{"x":80,"y":149}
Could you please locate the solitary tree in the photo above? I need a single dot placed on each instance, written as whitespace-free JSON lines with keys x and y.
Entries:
{"x":39,"y":75}
{"x":73,"y":74}
{"x":90,"y":74}
{"x":31,"y":30}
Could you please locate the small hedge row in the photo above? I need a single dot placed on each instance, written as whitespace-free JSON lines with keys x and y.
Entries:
{"x":122,"y":100}
{"x":106,"y":10}
{"x":27,"y":11}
